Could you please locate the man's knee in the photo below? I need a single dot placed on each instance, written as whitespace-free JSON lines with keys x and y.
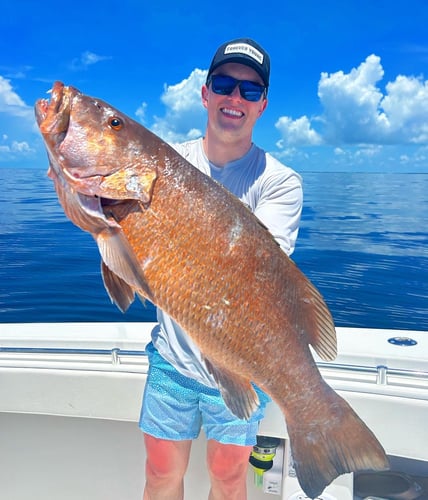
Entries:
{"x":228,"y":462}
{"x":166,"y":458}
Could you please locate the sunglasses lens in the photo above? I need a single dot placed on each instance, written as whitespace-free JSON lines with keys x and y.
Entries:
{"x":251,"y":91}
{"x":225,"y":85}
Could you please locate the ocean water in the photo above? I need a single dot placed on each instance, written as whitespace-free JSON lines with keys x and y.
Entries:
{"x":363,"y":242}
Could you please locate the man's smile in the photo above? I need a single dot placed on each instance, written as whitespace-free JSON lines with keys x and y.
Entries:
{"x":232,"y":112}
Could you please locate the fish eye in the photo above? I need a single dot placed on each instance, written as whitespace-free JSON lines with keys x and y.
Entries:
{"x":115,"y":123}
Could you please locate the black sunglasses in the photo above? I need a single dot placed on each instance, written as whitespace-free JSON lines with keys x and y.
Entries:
{"x":225,"y":85}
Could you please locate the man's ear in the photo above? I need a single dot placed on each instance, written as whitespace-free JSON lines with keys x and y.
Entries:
{"x":204,"y":95}
{"x":263,"y":106}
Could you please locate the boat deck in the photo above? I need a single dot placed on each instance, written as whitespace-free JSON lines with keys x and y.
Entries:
{"x":70,"y":397}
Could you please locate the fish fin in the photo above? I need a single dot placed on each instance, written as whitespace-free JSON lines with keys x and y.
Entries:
{"x":118,"y":256}
{"x":141,"y":297}
{"x":332,"y":443}
{"x":318,"y":323}
{"x":118,"y":290}
{"x":237,"y":392}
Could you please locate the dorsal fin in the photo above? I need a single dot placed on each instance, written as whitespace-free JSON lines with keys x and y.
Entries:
{"x":318,"y":323}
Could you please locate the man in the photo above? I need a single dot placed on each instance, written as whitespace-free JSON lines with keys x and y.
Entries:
{"x":181,"y":395}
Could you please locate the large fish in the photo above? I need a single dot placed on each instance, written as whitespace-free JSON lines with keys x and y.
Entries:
{"x":172,"y":235}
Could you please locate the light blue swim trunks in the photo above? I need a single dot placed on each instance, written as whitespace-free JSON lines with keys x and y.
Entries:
{"x":175,"y":407}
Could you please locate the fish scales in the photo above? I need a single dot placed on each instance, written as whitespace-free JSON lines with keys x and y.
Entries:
{"x":172,"y":235}
{"x":190,"y":267}
{"x":190,"y":263}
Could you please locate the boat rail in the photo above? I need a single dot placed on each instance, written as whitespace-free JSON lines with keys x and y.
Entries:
{"x":379,"y":378}
{"x":361,"y":378}
{"x":114,"y":353}
{"x":131,"y":361}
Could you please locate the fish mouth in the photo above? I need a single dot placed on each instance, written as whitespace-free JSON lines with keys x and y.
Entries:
{"x":53,"y":115}
{"x":53,"y":118}
{"x":82,"y":196}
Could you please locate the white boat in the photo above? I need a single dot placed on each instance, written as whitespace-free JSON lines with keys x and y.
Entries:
{"x":70,"y":396}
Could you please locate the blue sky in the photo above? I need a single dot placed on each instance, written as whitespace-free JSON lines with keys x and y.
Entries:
{"x":349,"y":88}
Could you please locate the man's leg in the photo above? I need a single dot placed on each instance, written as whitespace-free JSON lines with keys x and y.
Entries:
{"x":227,"y":466}
{"x":166,"y":465}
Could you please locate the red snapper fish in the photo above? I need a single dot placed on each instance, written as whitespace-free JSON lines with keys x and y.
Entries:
{"x":172,"y":235}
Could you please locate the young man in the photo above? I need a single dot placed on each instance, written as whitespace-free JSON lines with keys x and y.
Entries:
{"x":181,"y":395}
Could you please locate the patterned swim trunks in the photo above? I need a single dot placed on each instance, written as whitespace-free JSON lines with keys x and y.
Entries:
{"x":175,"y":407}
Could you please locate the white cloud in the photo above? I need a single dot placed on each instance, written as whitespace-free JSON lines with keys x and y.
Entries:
{"x":11,"y":103}
{"x":16,"y":123}
{"x":357,"y":111}
{"x":297,"y":132}
{"x":351,"y":103}
{"x":21,"y":147}
{"x":339,"y":151}
{"x":87,"y":59}
{"x":185,"y":116}
{"x":15,"y":150}
{"x":406,"y":105}
{"x":141,"y":112}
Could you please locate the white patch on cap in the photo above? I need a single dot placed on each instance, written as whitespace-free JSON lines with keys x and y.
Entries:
{"x":244,"y":48}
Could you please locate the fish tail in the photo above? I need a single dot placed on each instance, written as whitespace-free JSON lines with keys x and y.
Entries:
{"x":332,"y":444}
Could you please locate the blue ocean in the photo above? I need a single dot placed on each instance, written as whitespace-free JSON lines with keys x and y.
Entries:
{"x":363,"y":242}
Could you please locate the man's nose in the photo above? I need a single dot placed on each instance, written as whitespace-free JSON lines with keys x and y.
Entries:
{"x":236,"y":91}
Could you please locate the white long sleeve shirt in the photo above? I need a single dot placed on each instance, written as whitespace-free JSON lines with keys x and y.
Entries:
{"x":274,"y":194}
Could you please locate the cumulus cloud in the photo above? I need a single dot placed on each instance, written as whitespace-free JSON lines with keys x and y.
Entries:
{"x":14,"y":149}
{"x":185,"y":117}
{"x":297,"y":132}
{"x":11,"y":103}
{"x":16,"y":120}
{"x":406,"y":106}
{"x":351,"y":103}
{"x":357,"y":111}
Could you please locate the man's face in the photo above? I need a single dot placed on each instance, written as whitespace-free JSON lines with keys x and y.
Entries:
{"x":232,"y":114}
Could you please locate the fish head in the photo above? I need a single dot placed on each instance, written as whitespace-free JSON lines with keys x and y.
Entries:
{"x":100,"y":161}
{"x":95,"y":148}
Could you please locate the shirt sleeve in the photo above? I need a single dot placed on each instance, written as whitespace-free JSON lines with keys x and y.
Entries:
{"x":279,"y":205}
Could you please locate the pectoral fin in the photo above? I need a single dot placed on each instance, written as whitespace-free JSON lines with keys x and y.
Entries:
{"x":123,"y":275}
{"x":119,"y":292}
{"x":237,"y":392}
